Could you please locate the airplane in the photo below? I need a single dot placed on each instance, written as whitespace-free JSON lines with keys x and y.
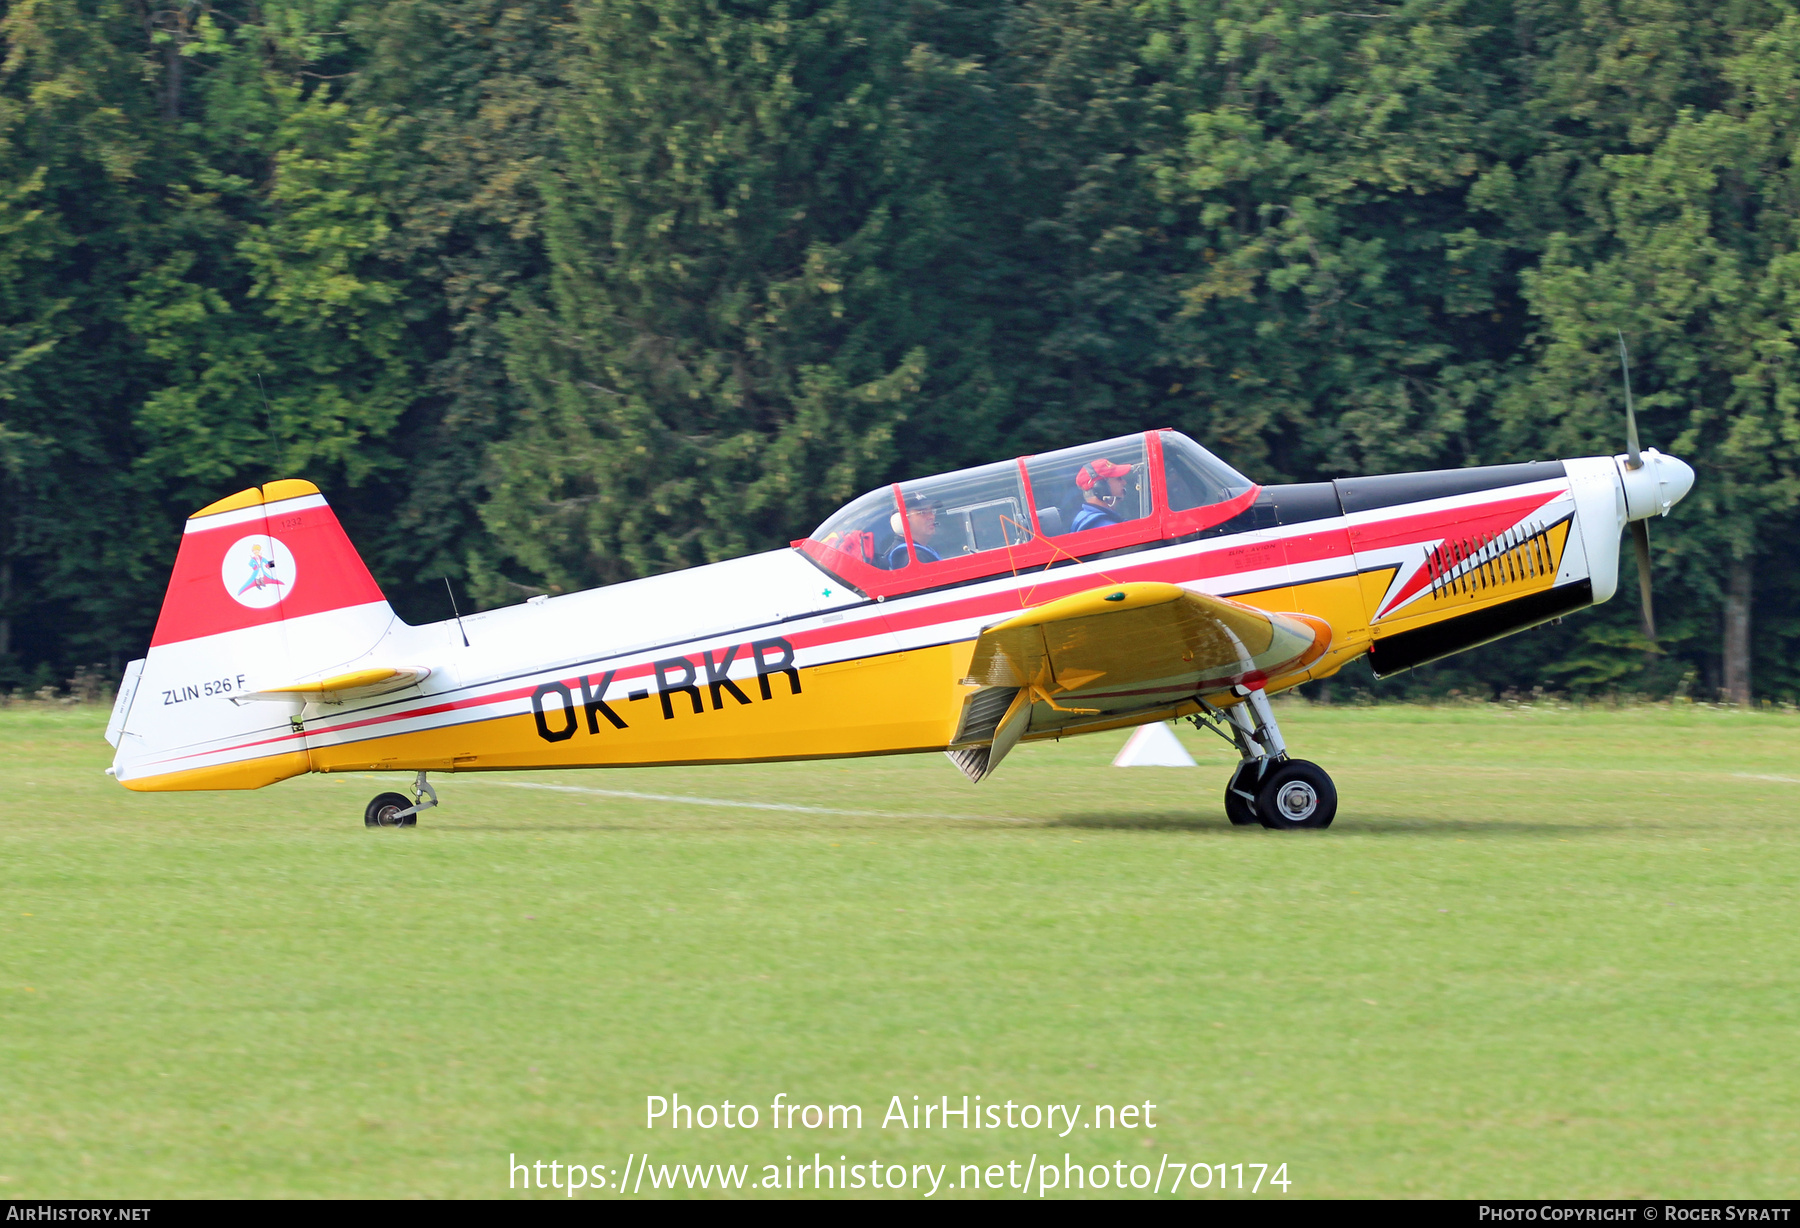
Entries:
{"x":1113,"y":584}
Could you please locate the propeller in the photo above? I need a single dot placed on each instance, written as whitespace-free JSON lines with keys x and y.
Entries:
{"x":1640,"y":529}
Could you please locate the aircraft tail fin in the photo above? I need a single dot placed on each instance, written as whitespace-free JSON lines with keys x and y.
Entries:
{"x":266,"y":590}
{"x":261,"y":556}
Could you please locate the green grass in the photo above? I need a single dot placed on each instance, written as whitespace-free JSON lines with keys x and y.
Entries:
{"x":1543,"y":952}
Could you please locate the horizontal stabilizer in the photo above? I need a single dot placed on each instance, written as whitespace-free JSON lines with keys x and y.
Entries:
{"x":358,"y":684}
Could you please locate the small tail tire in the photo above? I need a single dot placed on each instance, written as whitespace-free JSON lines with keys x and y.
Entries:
{"x":384,"y":810}
{"x":1296,"y":794}
{"x":1240,"y":796}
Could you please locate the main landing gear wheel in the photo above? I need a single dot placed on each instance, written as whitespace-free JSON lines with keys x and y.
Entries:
{"x":1296,"y":794}
{"x":384,"y":811}
{"x":1240,"y":796}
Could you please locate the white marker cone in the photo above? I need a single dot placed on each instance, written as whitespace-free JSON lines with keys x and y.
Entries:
{"x":1154,"y":745}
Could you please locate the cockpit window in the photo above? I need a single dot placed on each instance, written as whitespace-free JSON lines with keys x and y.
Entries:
{"x":865,"y":528}
{"x":1090,"y":487}
{"x":947,"y":517}
{"x":968,"y":512}
{"x":1196,"y":477}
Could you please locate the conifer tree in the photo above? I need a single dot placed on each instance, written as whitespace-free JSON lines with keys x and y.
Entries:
{"x":734,"y":341}
{"x":1676,"y":229}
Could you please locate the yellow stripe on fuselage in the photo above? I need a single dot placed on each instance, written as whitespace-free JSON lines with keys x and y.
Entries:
{"x":882,"y":705}
{"x":895,"y":703}
{"x":245,"y":774}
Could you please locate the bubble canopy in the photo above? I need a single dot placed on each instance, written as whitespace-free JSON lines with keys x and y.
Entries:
{"x":1029,"y":512}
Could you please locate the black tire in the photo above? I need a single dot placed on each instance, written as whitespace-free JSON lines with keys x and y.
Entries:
{"x":1296,"y":794}
{"x":1240,"y":795}
{"x":382,"y":811}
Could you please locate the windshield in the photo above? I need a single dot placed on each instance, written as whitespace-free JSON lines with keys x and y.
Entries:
{"x":865,"y":528}
{"x":1197,"y":478}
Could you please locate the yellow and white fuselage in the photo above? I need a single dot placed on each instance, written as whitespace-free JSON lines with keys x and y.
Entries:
{"x":276,"y":654}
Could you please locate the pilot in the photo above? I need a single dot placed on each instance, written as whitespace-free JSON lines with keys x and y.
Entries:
{"x":921,"y":519}
{"x":1102,"y":487}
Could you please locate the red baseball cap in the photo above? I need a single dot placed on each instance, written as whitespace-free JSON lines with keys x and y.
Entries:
{"x":1093,"y":471}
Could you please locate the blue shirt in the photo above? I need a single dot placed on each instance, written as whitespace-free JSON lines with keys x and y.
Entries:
{"x":1092,"y":516}
{"x":896,"y":555}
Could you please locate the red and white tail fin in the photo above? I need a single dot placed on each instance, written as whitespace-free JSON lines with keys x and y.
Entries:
{"x":261,"y":557}
{"x":267,"y":590}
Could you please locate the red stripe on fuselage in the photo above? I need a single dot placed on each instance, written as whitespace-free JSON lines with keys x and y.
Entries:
{"x":1434,"y":525}
{"x":1437,"y":526}
{"x":1229,"y":557}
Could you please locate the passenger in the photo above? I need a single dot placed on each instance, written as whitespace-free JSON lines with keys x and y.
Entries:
{"x":921,"y":518}
{"x":1102,"y":486}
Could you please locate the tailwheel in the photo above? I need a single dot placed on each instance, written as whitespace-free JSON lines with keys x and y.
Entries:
{"x":396,"y":809}
{"x":384,"y":810}
{"x":1240,"y":794}
{"x":1296,"y":794}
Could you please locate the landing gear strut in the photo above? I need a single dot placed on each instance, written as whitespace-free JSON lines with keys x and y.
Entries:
{"x":395,"y":810}
{"x":1268,"y":787}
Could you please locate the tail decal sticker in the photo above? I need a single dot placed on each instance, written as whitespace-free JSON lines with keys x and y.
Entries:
{"x":265,"y":566}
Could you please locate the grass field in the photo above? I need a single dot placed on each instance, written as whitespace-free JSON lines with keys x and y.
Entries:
{"x":1543,"y":952}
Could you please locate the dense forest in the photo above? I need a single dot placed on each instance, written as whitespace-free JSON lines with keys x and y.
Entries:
{"x":550,"y":294}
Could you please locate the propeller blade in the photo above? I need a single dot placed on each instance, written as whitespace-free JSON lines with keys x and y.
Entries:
{"x":1640,"y":537}
{"x":1632,"y":459}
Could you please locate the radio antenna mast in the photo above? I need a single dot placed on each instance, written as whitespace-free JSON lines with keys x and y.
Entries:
{"x":455,"y":613}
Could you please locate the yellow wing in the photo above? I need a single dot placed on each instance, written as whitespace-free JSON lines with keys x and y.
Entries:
{"x":1092,"y":658}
